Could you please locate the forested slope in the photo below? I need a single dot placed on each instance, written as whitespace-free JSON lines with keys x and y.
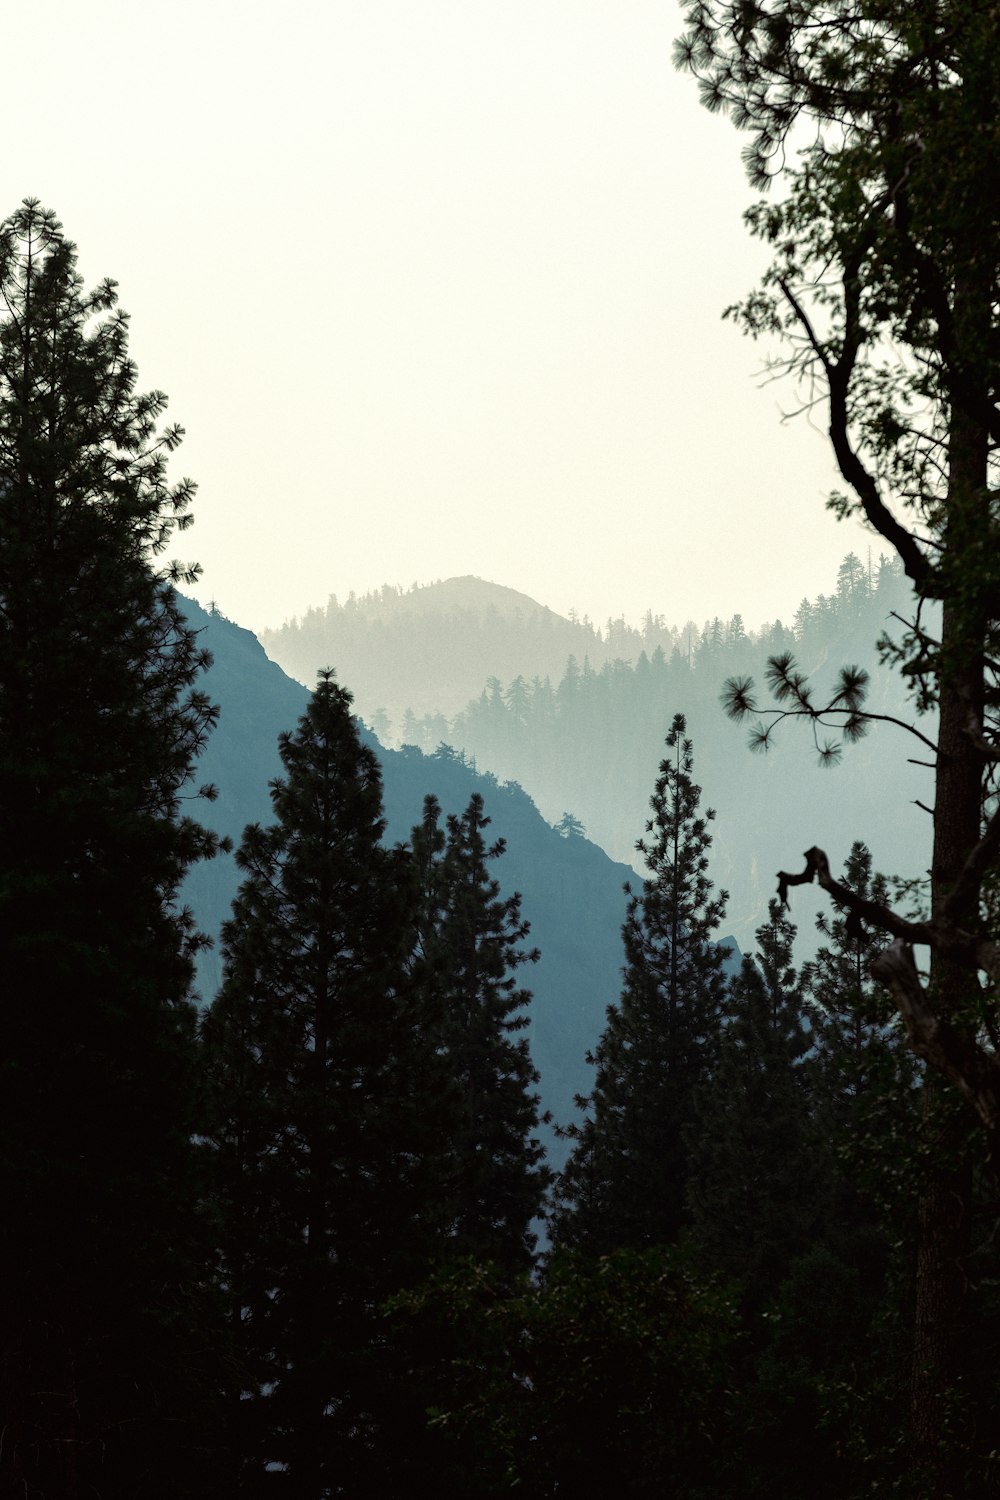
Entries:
{"x":572,"y":891}
{"x":587,"y":737}
{"x":428,"y":648}
{"x":591,"y":742}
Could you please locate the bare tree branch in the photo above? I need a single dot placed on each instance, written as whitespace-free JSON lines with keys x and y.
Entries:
{"x":872,"y":912}
{"x":838,"y":374}
{"x":973,"y":730}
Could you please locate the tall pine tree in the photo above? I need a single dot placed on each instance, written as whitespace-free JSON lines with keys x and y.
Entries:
{"x":624,"y":1184}
{"x":857,"y":1037}
{"x":471,"y":946}
{"x":323,"y":1076}
{"x":757,"y":1179}
{"x":100,"y":722}
{"x":865,"y":1085}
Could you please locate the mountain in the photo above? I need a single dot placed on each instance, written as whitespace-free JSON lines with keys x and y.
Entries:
{"x":429,"y":649}
{"x":591,"y":743}
{"x":572,"y":891}
{"x":587,"y":737}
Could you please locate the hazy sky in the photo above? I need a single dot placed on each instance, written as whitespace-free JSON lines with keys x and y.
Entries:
{"x":435,"y":288}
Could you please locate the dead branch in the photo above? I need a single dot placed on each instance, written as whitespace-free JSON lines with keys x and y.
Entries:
{"x":872,"y":912}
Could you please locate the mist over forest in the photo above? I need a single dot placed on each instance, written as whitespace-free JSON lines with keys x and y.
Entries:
{"x":577,"y":716}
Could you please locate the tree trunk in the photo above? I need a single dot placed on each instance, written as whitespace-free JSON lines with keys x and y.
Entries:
{"x":944,"y":1212}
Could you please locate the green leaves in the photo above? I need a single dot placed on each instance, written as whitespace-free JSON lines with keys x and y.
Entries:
{"x":787,"y":683}
{"x":609,"y":1376}
{"x":852,"y":688}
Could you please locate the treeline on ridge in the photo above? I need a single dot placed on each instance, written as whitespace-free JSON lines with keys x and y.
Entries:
{"x":588,"y":745}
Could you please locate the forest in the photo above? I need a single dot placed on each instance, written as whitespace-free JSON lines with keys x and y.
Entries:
{"x":585,"y":741}
{"x":285,"y":1219}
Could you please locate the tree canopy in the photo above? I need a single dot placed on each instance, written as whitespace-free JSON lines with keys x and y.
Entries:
{"x":880,"y":121}
{"x":470,"y":946}
{"x":100,"y":724}
{"x":883,"y":286}
{"x":318,"y":1055}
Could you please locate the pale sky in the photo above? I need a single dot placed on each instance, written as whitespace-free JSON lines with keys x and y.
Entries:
{"x":435,"y":288}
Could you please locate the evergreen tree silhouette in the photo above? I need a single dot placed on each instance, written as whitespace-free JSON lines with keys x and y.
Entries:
{"x":472,"y":947}
{"x":100,"y":723}
{"x":323,"y":1072}
{"x":757,"y":1175}
{"x":624,"y":1184}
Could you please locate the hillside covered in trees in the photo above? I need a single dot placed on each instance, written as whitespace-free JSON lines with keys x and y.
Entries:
{"x":571,"y":890}
{"x":586,"y":740}
{"x":765,"y":1131}
{"x":385,"y":640}
{"x":420,"y":654}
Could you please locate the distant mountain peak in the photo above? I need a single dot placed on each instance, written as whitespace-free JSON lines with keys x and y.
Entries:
{"x":465,"y":593}
{"x":430,"y":648}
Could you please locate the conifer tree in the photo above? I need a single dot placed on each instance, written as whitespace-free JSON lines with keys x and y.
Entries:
{"x":624,"y":1184}
{"x":855,"y":1040}
{"x":884,"y":287}
{"x":471,"y":948}
{"x":756,"y":1177}
{"x":100,"y":722}
{"x":840,"y":1309}
{"x":863,"y":1080}
{"x":324,"y":1080}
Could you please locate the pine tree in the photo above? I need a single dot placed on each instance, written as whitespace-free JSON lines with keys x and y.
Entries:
{"x":100,"y":723}
{"x":883,"y":284}
{"x":570,"y":827}
{"x":324,"y":1083}
{"x":852,"y":1018}
{"x":863,"y":1081}
{"x":756,"y":1178}
{"x":839,"y":1310}
{"x":624,"y":1184}
{"x":471,"y":947}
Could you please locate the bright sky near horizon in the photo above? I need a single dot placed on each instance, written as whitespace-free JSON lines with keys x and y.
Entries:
{"x":435,"y":288}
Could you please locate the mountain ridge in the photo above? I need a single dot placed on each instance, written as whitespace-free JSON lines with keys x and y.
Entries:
{"x":588,"y":736}
{"x":461,"y":591}
{"x":469,"y":627}
{"x":571,"y":889}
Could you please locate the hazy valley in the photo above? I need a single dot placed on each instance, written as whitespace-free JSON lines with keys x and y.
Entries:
{"x":577,"y":716}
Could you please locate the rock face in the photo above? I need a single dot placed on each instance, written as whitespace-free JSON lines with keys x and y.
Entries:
{"x":572,"y":891}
